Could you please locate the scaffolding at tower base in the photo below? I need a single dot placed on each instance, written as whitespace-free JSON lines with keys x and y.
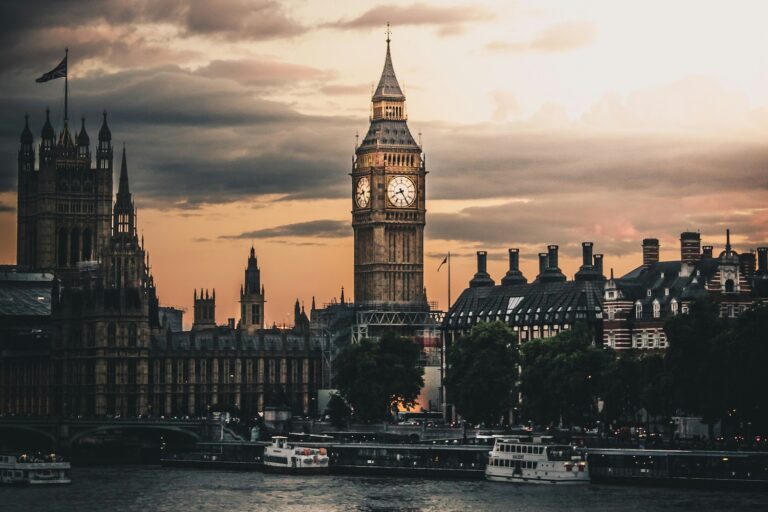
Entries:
{"x":370,"y":321}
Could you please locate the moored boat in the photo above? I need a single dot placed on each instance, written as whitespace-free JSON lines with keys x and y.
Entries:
{"x":515,"y":460}
{"x":33,"y":470}
{"x":284,"y":457}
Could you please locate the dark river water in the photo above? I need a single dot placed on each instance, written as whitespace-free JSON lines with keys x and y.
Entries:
{"x":151,"y":488}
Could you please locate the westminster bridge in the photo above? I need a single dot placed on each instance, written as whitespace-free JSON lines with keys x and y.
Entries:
{"x":66,"y":434}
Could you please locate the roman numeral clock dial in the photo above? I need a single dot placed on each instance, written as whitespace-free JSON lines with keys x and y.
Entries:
{"x":401,"y":191}
{"x":363,"y":192}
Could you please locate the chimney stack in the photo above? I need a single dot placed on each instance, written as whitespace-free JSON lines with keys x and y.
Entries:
{"x":599,"y":263}
{"x":706,"y":251}
{"x":762,"y":261}
{"x":481,"y":276}
{"x":586,"y":253}
{"x":542,"y":262}
{"x":650,"y":252}
{"x":747,"y":264}
{"x":514,"y":276}
{"x":690,"y":247}
{"x":553,"y":258}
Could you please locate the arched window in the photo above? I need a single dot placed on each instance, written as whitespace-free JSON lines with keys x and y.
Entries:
{"x":729,"y":286}
{"x":74,"y":246}
{"x":111,"y":334}
{"x":673,"y":307}
{"x":87,"y":245}
{"x":656,"y":309}
{"x":638,"y":310}
{"x":91,"y":335}
{"x":132,"y":335}
{"x":63,"y":246}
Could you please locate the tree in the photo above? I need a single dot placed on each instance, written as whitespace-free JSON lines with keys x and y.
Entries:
{"x":482,"y":373}
{"x":338,"y":410}
{"x":375,"y":377}
{"x":562,"y":377}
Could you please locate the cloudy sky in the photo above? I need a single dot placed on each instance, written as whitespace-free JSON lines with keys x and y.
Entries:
{"x":543,"y":122}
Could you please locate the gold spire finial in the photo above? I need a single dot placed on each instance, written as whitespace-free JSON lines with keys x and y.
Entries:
{"x":388,"y":32}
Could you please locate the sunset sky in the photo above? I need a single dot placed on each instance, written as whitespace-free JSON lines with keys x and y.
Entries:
{"x":542,"y":121}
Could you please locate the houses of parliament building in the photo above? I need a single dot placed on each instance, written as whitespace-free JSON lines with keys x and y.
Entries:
{"x":82,"y":332}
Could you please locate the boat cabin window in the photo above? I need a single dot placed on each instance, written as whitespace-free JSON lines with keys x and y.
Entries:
{"x":559,"y":453}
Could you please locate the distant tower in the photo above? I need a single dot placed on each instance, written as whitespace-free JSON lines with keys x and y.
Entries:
{"x":388,"y":203}
{"x":205,"y":310}
{"x":252,"y":297}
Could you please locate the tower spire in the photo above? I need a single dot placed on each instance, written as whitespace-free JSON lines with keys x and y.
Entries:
{"x":123,"y":188}
{"x":388,"y":87}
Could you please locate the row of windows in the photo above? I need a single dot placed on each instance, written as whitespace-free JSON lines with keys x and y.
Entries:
{"x":520,"y":448}
{"x":524,"y":464}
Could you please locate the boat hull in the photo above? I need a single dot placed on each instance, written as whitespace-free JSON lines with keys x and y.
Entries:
{"x":536,"y":480}
{"x":284,"y":470}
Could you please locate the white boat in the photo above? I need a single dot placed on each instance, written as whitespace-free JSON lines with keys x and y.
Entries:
{"x":33,"y":470}
{"x":514,"y":460}
{"x":283,"y":457}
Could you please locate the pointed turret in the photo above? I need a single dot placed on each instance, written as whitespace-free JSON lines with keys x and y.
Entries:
{"x":388,"y":88}
{"x":124,"y":214}
{"x":104,"y":133}
{"x":47,"y":133}
{"x":83,"y":143}
{"x":26,"y":133}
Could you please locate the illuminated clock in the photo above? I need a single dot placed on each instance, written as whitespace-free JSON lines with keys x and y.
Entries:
{"x":401,"y":191}
{"x":363,"y":192}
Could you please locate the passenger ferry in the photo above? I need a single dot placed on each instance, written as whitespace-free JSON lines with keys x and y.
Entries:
{"x":282,"y":457}
{"x":515,"y":460}
{"x":35,"y":470}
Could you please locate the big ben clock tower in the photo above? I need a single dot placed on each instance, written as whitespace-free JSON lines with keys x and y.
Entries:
{"x":388,"y":203}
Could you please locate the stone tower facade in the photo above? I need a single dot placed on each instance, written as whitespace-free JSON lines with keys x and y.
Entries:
{"x":64,"y":205}
{"x":388,"y":203}
{"x":205,"y":310}
{"x":102,"y":318}
{"x":252,"y":297}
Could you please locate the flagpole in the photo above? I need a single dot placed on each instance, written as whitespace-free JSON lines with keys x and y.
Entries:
{"x":66,"y":87}
{"x":449,"y":279}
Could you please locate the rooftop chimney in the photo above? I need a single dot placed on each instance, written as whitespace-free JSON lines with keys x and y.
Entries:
{"x":481,"y":276}
{"x":514,"y":276}
{"x":762,"y":261}
{"x":586,"y":254}
{"x":542,"y":262}
{"x":553,"y":258}
{"x":599,"y":263}
{"x":690,"y":247}
{"x":706,"y":251}
{"x":747,"y":264}
{"x":650,"y":252}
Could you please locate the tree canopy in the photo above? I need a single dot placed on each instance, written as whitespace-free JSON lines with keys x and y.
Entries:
{"x":562,"y":377}
{"x":482,"y":378}
{"x":375,"y":377}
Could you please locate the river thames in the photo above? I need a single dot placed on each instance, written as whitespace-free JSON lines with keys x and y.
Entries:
{"x":151,"y":488}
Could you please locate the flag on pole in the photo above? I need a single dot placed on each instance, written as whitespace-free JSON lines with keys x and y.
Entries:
{"x":445,"y":260}
{"x":59,"y":71}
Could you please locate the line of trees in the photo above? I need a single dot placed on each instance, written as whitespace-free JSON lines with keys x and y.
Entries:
{"x":713,"y":368}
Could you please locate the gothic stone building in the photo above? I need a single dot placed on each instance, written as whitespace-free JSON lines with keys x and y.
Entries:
{"x":637,"y":305}
{"x":88,"y":342}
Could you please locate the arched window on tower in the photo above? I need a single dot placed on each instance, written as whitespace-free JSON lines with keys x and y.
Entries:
{"x":111,"y":334}
{"x":729,"y":286}
{"x":74,"y":246}
{"x":638,"y":310}
{"x":87,"y":245}
{"x":132,"y":335}
{"x":62,"y":246}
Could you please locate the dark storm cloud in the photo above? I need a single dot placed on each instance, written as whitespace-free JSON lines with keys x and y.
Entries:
{"x":324,"y":228}
{"x":192,"y":139}
{"x":262,"y":72}
{"x":449,"y":20}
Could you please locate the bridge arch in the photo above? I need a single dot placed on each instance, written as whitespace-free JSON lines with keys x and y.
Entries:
{"x":49,"y":436}
{"x":76,"y":437}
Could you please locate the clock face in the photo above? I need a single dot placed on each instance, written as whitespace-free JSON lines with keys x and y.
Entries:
{"x":363,"y":192}
{"x":401,"y":191}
